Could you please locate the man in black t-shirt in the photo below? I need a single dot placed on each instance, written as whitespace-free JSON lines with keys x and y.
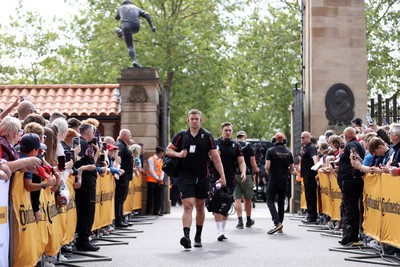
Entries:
{"x":309,"y":158}
{"x":231,"y":156}
{"x":245,"y":189}
{"x":277,"y":163}
{"x":193,"y":173}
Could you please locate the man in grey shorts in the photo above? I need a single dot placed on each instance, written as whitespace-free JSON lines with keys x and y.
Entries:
{"x":245,"y":189}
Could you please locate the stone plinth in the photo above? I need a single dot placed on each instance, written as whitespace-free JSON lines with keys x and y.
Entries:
{"x":141,"y":91}
{"x":141,"y":109}
{"x":334,"y":52}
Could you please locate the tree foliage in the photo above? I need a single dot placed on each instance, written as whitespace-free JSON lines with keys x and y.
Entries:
{"x":383,"y":42}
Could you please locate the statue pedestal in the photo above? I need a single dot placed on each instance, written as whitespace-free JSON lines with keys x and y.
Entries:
{"x":334,"y":53}
{"x":141,"y":109}
{"x":141,"y":91}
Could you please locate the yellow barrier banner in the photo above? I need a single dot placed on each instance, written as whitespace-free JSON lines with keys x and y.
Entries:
{"x":325,"y":193}
{"x":137,"y":190}
{"x":56,"y":226}
{"x":336,"y":196}
{"x":70,"y":212}
{"x":372,"y":197}
{"x":4,"y":225}
{"x":128,"y":204}
{"x":303,"y":203}
{"x":104,"y":212}
{"x":390,"y":210}
{"x":27,"y":248}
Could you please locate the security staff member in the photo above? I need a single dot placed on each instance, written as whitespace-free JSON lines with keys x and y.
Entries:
{"x":154,"y":180}
{"x":85,"y":196}
{"x":277,"y":163}
{"x":351,"y":184}
{"x":309,"y":158}
{"x":193,"y":173}
{"x":122,"y":184}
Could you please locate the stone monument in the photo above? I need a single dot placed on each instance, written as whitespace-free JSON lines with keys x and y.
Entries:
{"x":334,"y":64}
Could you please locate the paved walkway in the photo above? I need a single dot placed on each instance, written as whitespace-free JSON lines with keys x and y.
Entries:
{"x":158,"y":245}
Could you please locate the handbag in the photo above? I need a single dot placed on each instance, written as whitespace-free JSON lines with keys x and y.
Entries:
{"x":219,"y":200}
{"x":171,"y":165}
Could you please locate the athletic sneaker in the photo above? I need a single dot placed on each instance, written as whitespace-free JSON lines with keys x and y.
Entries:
{"x":239,"y":225}
{"x":275,"y":229}
{"x":185,"y":242}
{"x":221,"y":237}
{"x":250,"y":223}
{"x":197,"y":242}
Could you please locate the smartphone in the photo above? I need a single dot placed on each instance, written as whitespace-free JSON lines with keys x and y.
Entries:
{"x":353,"y":150}
{"x":61,"y":163}
{"x":75,"y":142}
{"x":104,"y":146}
{"x":369,"y":119}
{"x":97,"y":136}
{"x":68,"y":156}
{"x":102,"y":158}
{"x":90,"y":151}
{"x":333,"y":165}
{"x":94,"y":141}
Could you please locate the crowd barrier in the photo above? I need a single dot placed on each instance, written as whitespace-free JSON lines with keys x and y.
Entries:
{"x":381,"y":201}
{"x":57,"y":225}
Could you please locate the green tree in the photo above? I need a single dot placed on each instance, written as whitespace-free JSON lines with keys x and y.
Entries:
{"x":383,"y":42}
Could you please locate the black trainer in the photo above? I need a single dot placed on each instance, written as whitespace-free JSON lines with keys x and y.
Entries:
{"x":250,"y":223}
{"x":239,"y":225}
{"x":185,"y":242}
{"x":197,"y":242}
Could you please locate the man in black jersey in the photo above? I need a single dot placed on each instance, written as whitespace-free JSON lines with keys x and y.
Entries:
{"x":277,"y":164}
{"x":193,"y":174}
{"x":245,"y":189}
{"x":231,"y":156}
{"x":309,"y":158}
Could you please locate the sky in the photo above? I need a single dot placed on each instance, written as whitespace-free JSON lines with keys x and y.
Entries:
{"x":47,"y":8}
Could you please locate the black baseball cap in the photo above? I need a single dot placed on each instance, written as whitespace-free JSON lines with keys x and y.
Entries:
{"x":31,"y":141}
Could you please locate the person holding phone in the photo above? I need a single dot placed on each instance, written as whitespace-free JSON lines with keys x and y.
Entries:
{"x":351,"y":184}
{"x":85,"y":196}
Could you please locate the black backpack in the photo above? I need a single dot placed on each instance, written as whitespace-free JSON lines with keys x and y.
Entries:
{"x":219,"y":200}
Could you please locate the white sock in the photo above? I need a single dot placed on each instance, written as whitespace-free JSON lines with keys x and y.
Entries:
{"x":219,"y":227}
{"x":223,"y":226}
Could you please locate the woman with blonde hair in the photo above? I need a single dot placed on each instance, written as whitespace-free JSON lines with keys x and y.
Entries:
{"x":135,"y":150}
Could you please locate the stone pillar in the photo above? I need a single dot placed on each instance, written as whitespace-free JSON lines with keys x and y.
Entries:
{"x":141,"y":96}
{"x":335,"y":64}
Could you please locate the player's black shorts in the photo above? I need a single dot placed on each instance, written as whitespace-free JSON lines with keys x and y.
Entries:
{"x":194,"y":187}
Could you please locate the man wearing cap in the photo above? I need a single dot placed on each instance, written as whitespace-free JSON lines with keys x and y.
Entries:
{"x":113,"y":159}
{"x":278,"y":161}
{"x":244,"y":189}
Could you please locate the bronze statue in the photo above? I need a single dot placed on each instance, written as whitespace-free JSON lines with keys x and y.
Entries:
{"x":129,"y":15}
